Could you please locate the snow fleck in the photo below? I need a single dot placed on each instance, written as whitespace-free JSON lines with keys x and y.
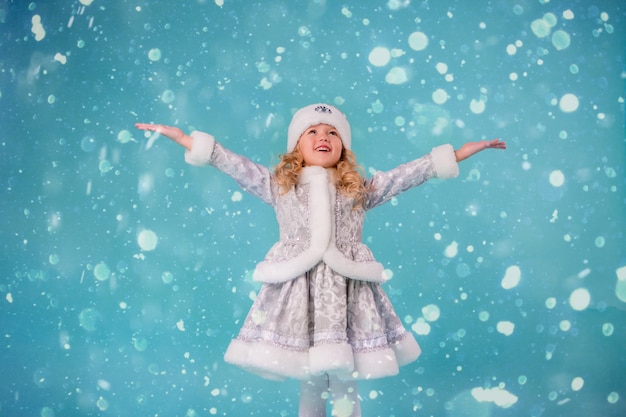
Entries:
{"x":550,"y":303}
{"x":577,"y":383}
{"x":580,"y":299}
{"x":102,"y":272}
{"x":555,"y":216}
{"x":560,"y":40}
{"x":505,"y":327}
{"x":568,"y":103}
{"x":124,"y":136}
{"x":421,"y":327}
{"x":154,"y":54}
{"x":431,"y":312}
{"x":147,"y":240}
{"x":167,"y":277}
{"x":557,"y":178}
{"x":377,"y":106}
{"x":140,"y":344}
{"x":167,"y":96}
{"x":440,"y":96}
{"x":379,"y":56}
{"x":499,"y":396}
{"x":88,"y":319}
{"x":451,"y":250}
{"x":620,"y":286}
{"x":387,"y":274}
{"x":237,"y":196}
{"x":102,"y":404}
{"x":37,"y":28}
{"x":441,"y":68}
{"x":418,"y":41}
{"x":477,"y":106}
{"x":608,"y":329}
{"x":59,"y":57}
{"x":396,"y":75}
{"x":511,"y":49}
{"x":540,"y":28}
{"x":512,"y":277}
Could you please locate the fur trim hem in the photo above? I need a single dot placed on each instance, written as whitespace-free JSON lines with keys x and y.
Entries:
{"x":444,"y":161}
{"x":331,"y":359}
{"x":268,"y":361}
{"x":385,"y":362}
{"x":201,"y":150}
{"x":371,"y":365}
{"x":407,"y":350}
{"x":275,"y":363}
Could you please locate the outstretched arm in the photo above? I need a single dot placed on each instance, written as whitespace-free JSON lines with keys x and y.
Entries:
{"x":171,"y":132}
{"x":470,"y":148}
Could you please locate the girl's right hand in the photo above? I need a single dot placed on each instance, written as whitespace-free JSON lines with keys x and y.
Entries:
{"x":171,"y":132}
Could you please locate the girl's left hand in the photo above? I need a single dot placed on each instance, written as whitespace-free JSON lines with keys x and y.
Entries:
{"x":470,"y":148}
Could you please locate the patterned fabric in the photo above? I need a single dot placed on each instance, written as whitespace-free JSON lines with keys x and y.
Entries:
{"x":321,"y":309}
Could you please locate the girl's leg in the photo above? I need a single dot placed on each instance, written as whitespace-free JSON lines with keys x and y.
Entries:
{"x":313,"y":396}
{"x":344,"y":397}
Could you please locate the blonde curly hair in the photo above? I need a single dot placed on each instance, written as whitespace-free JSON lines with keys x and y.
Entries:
{"x":348,"y":174}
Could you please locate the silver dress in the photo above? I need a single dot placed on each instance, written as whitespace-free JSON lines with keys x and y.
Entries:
{"x":321,"y":308}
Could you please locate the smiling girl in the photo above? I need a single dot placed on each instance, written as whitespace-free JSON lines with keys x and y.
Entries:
{"x":321,"y":315}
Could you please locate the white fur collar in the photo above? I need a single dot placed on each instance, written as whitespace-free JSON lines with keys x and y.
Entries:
{"x":311,"y":173}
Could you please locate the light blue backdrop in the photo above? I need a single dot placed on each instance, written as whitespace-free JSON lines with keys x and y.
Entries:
{"x":124,"y":272}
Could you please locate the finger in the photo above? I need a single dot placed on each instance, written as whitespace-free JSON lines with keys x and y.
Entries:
{"x":145,"y":126}
{"x":152,"y":127}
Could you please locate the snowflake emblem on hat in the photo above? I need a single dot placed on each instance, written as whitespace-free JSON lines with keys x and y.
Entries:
{"x":323,"y":109}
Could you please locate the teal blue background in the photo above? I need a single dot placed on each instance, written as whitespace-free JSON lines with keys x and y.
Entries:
{"x":94,"y":324}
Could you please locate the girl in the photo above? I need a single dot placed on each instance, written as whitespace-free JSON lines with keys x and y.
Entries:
{"x":321,"y":315}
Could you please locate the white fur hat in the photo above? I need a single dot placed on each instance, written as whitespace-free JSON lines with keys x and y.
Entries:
{"x":315,"y":114}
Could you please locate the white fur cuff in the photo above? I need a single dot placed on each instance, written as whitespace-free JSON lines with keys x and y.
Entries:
{"x":445,"y":161}
{"x":201,"y":149}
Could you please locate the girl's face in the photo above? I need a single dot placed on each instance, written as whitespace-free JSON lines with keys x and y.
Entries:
{"x":320,"y":145}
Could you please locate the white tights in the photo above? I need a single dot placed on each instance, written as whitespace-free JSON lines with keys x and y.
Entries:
{"x":344,"y":397}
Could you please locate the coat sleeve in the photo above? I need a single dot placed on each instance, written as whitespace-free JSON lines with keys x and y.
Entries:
{"x":439,"y":163}
{"x":254,"y":178}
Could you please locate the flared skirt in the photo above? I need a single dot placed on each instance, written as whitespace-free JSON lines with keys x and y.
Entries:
{"x":321,"y":322}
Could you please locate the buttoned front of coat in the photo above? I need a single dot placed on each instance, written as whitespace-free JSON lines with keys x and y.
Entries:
{"x":316,"y":222}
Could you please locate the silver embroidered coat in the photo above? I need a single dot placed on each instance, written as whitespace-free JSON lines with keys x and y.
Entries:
{"x":321,"y":309}
{"x":317,"y":223}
